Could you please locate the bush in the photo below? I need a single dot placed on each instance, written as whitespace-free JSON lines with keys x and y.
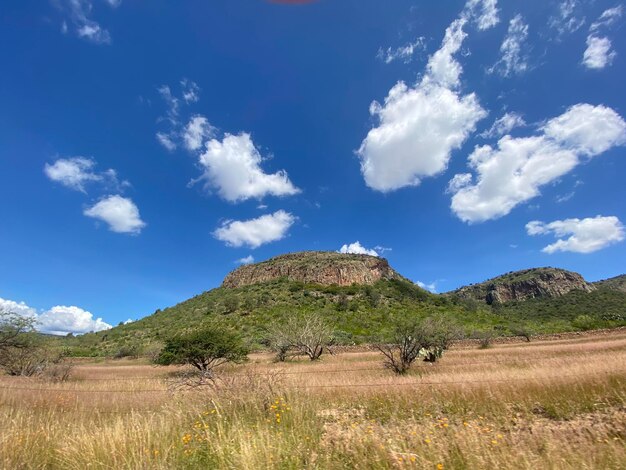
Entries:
{"x":413,"y":338}
{"x":205,"y":349}
{"x":308,"y":335}
{"x":584,"y":322}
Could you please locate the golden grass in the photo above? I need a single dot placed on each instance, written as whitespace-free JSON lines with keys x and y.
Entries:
{"x":551,"y":404}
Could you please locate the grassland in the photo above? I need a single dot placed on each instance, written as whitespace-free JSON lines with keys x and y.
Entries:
{"x":555,"y":404}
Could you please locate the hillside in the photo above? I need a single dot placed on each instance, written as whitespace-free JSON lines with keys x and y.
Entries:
{"x":524,"y":285}
{"x":367,"y":292}
{"x":614,"y":283}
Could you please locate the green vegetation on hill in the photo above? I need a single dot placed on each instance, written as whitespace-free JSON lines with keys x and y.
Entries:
{"x":357,"y":312}
{"x":614,"y":283}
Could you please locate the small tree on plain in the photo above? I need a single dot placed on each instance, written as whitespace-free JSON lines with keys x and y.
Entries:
{"x":280,"y":341}
{"x":23,"y":353}
{"x":14,"y":329}
{"x":205,"y":349}
{"x":311,"y":335}
{"x":412,"y":338}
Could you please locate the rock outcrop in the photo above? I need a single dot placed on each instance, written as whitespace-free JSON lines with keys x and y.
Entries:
{"x":315,"y":267}
{"x":523,"y":285}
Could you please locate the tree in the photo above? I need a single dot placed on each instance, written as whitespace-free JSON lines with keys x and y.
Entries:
{"x":412,"y":338}
{"x":308,"y":335}
{"x":279,"y":340}
{"x":311,"y":335}
{"x":21,"y":351}
{"x":14,"y":329}
{"x":205,"y":349}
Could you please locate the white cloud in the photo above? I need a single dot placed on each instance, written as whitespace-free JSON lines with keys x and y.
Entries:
{"x":255,"y":232}
{"x":404,"y":53}
{"x":504,"y":125}
{"x":583,"y":235}
{"x":171,"y":101}
{"x":598,"y":53}
{"x":166,"y":141}
{"x":75,"y":172}
{"x":191,"y":91}
{"x":568,"y":20}
{"x":79,"y":13}
{"x":419,"y":126}
{"x":588,"y":130}
{"x":59,"y":320}
{"x":72,"y":172}
{"x":119,"y":212}
{"x":247,"y":260}
{"x":357,"y":249}
{"x":513,"y":172}
{"x":432,"y":287}
{"x":129,"y":321}
{"x":197,"y":130}
{"x":484,"y":13}
{"x":607,"y":18}
{"x":512,"y":60}
{"x":232,"y":167}
{"x":18,"y":308}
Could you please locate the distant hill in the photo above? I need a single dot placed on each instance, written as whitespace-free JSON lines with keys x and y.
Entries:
{"x":358,"y":294}
{"x":524,"y":285}
{"x":614,"y":283}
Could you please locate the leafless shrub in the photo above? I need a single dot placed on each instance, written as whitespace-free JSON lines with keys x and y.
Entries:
{"x":412,"y":338}
{"x":307,"y":335}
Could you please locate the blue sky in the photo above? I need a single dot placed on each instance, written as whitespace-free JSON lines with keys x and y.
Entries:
{"x":148,"y":147}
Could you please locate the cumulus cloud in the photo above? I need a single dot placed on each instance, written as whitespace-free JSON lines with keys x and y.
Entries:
{"x":513,"y":172}
{"x":232,"y":166}
{"x":419,"y":126}
{"x":78,"y":13}
{"x":357,"y":249}
{"x":599,"y":53}
{"x":197,"y":131}
{"x":504,"y":125}
{"x":246,"y":260}
{"x":404,"y":53}
{"x":583,"y":235}
{"x":18,"y":308}
{"x":76,"y":172}
{"x":72,"y":172}
{"x":255,"y":232}
{"x":120,"y":213}
{"x":512,"y":59}
{"x":59,"y":320}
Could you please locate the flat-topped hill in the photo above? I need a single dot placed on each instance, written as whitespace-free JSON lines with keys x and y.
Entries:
{"x":314,"y":267}
{"x":524,"y":285}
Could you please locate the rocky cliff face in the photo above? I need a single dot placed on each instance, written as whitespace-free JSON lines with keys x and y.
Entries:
{"x":316,"y":267}
{"x":527,"y":284}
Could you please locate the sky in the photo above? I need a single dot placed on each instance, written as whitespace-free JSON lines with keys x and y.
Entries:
{"x":149,"y":148}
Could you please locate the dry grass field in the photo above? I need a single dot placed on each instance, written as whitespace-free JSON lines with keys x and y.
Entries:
{"x":555,"y":404}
